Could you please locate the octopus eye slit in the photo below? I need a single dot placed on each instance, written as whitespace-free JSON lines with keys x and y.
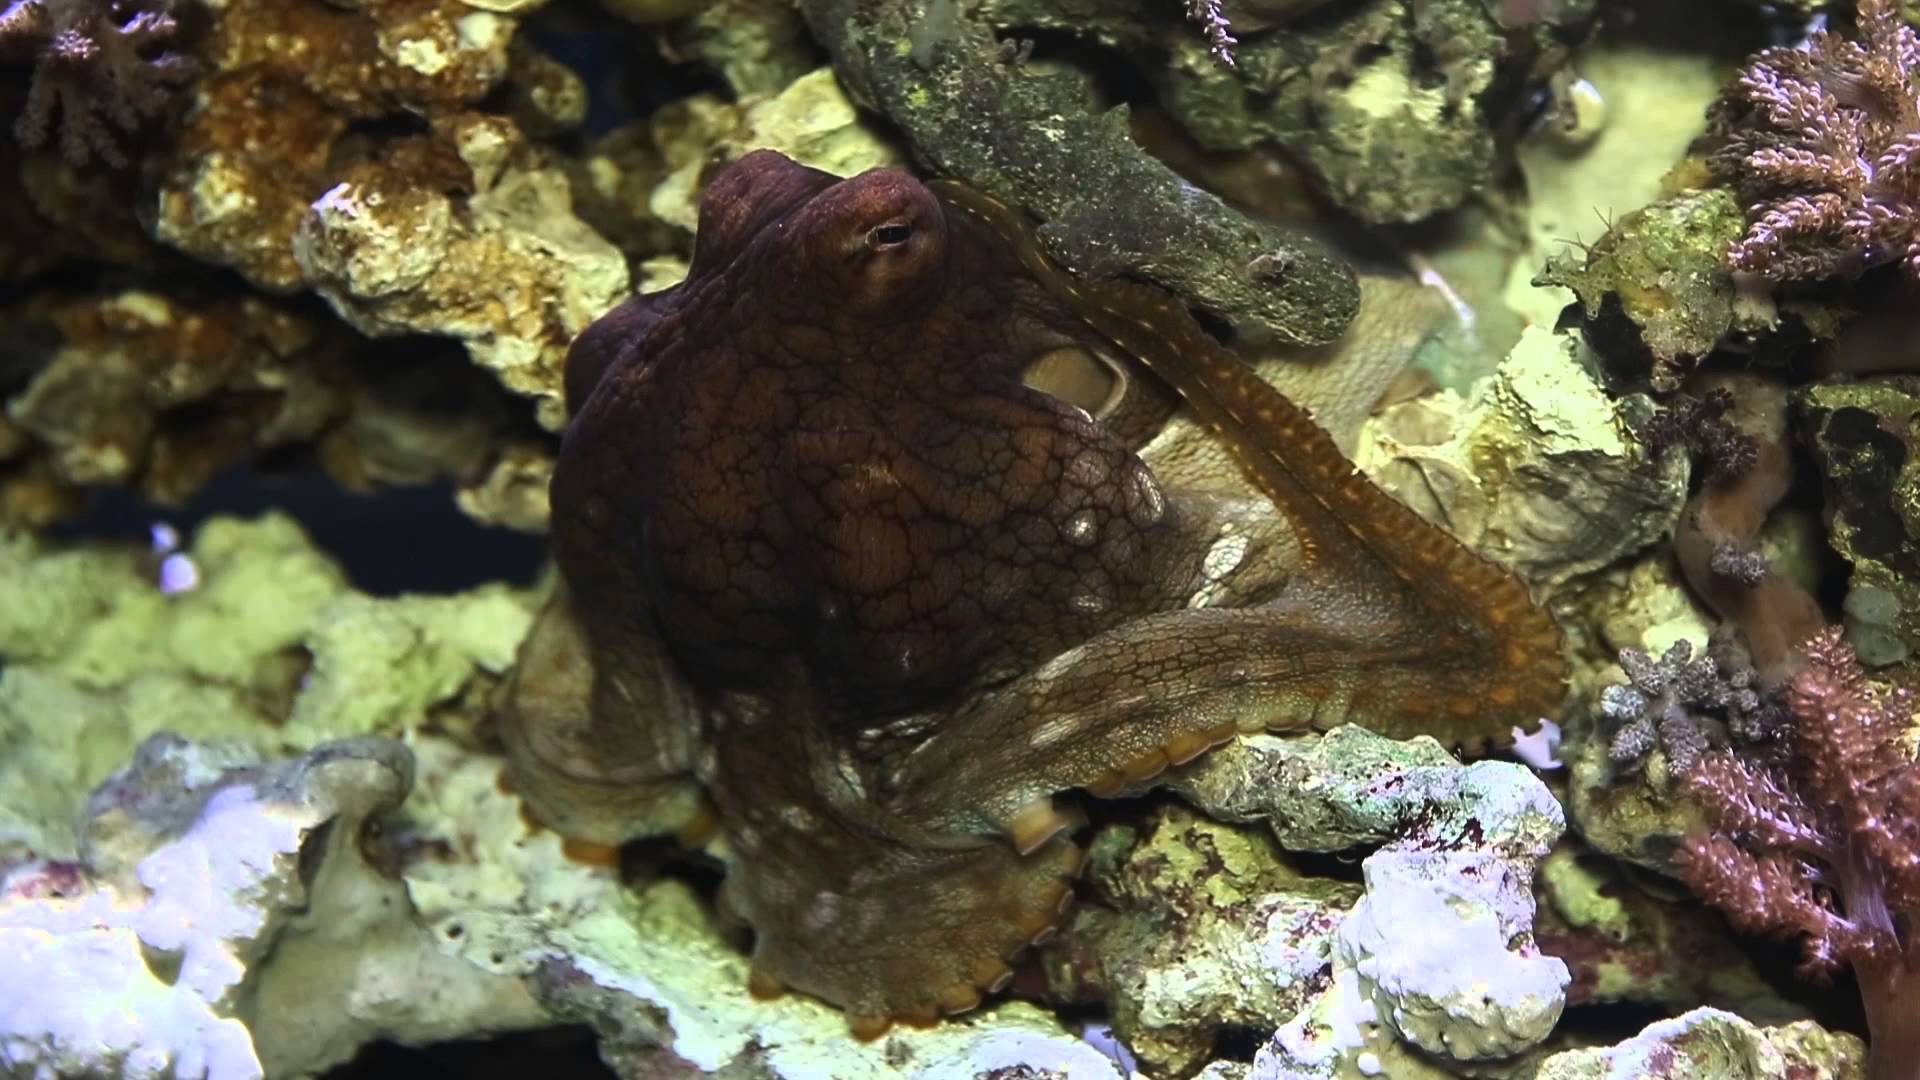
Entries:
{"x":891,"y":234}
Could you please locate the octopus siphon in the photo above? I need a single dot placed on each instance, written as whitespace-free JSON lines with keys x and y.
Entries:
{"x":881,"y":537}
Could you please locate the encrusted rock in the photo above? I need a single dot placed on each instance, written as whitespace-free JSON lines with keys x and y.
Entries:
{"x":1379,"y":103}
{"x":285,"y":80}
{"x":1390,"y":106}
{"x":1656,"y":290}
{"x":1622,"y":944}
{"x":394,"y":257}
{"x":1863,"y":437}
{"x":810,"y":120}
{"x":1535,"y":469}
{"x":1197,"y":927}
{"x":1030,"y":136}
{"x":247,"y":634}
{"x":161,"y":390}
{"x":758,"y":46}
{"x":1438,"y":951}
{"x":1709,"y":1042}
{"x":210,"y":902}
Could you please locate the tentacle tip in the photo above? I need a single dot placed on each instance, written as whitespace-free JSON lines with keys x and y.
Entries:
{"x":764,"y":987}
{"x":1036,"y":823}
{"x":959,"y":998}
{"x":530,"y":820}
{"x":587,"y":853}
{"x":866,"y":1027}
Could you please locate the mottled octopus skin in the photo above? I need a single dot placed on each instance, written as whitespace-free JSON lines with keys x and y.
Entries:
{"x":832,"y":564}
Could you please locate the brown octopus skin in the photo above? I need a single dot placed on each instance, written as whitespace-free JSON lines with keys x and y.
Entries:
{"x":829,"y":561}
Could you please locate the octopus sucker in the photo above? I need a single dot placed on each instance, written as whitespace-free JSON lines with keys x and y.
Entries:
{"x":879,"y":617}
{"x":1038,"y":822}
{"x":959,"y":998}
{"x":587,"y":853}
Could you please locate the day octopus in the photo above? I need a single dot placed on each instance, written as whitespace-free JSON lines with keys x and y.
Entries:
{"x":882,"y":538}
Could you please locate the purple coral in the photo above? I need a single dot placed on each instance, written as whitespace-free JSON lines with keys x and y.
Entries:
{"x":1701,"y":424}
{"x":1206,"y":14}
{"x":95,"y":62}
{"x":1822,"y":140}
{"x":1686,"y":705}
{"x":1824,"y":845}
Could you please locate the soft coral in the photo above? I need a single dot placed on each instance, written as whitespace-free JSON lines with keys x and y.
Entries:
{"x":94,"y":61}
{"x":1826,"y":847}
{"x":1823,"y":140}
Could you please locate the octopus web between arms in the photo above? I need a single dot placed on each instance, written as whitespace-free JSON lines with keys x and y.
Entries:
{"x":881,"y":536}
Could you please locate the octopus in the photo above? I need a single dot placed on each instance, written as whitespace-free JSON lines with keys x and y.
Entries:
{"x":884,"y":541}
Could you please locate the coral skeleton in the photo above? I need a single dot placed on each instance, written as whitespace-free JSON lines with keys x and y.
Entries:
{"x":97,"y":65}
{"x":1824,"y":845}
{"x":1821,"y":140}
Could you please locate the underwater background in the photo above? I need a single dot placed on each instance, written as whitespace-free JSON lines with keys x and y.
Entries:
{"x":1245,"y":539}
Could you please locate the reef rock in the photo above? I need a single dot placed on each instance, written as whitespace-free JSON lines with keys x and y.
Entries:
{"x":1709,"y":1042}
{"x":1435,"y":955}
{"x":203,"y":924}
{"x":1535,"y":469}
{"x":393,"y":256}
{"x":1862,"y":436}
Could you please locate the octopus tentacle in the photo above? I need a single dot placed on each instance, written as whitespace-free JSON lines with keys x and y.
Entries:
{"x":972,"y":912}
{"x":1101,"y":717}
{"x":1487,"y":656}
{"x":596,"y":775}
{"x":1491,"y":655}
{"x":862,"y":908}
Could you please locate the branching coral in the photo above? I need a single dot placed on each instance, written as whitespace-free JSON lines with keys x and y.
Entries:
{"x":1686,"y":705}
{"x":1823,"y":141}
{"x":95,"y":63}
{"x":1206,"y":14}
{"x":1700,"y":424}
{"x":1825,"y":848}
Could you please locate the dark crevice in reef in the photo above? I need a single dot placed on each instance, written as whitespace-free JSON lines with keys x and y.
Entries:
{"x":391,"y":541}
{"x":1608,"y":1023}
{"x":599,"y":47}
{"x":559,"y":1053}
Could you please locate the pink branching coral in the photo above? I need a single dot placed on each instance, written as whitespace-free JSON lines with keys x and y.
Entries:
{"x":1822,"y":141}
{"x":1206,"y":14}
{"x":1825,"y":846}
{"x":95,"y":62}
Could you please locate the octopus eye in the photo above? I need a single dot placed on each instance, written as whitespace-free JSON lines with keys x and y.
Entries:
{"x":891,"y":235}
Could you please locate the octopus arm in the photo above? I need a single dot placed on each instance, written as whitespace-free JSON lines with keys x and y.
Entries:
{"x":856,"y":905}
{"x":1109,"y":715}
{"x":1484,"y":656}
{"x":600,"y":756}
{"x":906,"y":932}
